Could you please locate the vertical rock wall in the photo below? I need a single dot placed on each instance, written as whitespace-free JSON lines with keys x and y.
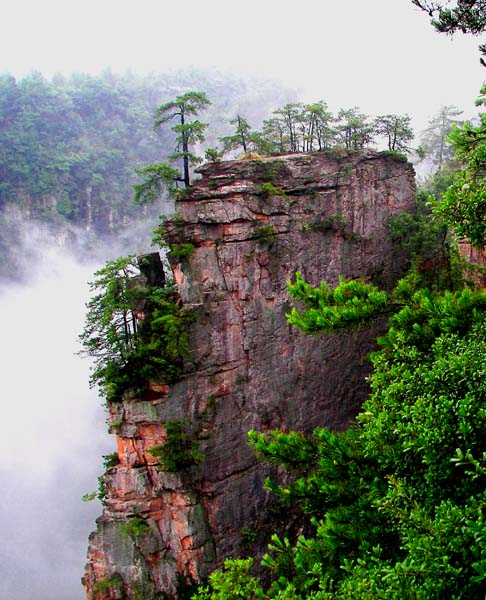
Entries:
{"x":253,"y":224}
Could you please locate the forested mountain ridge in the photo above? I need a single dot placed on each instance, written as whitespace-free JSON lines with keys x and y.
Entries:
{"x":69,"y":147}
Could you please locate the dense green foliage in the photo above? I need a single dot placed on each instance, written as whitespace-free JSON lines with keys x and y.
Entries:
{"x":69,"y":147}
{"x":397,"y":501}
{"x":395,"y":505}
{"x":350,"y":304}
{"x":128,"y":350}
{"x":432,"y":251}
{"x":463,"y":205}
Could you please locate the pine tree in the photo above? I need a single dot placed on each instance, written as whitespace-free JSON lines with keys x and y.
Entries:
{"x":187,"y":132}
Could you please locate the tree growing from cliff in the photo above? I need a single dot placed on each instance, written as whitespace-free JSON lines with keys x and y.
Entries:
{"x":111,"y":324}
{"x":134,"y":332}
{"x":187,"y":132}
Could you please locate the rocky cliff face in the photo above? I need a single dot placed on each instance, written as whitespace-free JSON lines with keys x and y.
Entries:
{"x":253,"y":224}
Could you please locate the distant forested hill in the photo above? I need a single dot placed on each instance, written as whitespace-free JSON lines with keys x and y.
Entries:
{"x":69,"y":147}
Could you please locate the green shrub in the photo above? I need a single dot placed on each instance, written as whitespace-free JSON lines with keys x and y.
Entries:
{"x":136,"y":527}
{"x":114,"y":581}
{"x":179,"y":452}
{"x":268,"y":189}
{"x":179,"y":252}
{"x":265,"y":234}
{"x":128,"y":352}
{"x":110,"y":460}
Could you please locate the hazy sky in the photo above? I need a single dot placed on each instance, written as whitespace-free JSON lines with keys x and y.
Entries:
{"x":381,"y":55}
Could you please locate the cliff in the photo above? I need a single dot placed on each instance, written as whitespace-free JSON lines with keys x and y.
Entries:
{"x":252,"y":224}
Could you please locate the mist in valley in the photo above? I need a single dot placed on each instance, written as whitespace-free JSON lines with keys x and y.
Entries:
{"x":54,"y":431}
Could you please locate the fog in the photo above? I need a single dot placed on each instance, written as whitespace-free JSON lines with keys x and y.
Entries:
{"x":54,"y":430}
{"x":53,"y":434}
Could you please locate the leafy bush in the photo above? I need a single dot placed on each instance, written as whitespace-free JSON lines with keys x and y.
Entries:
{"x":424,"y":236}
{"x":135,"y":527}
{"x":180,"y":251}
{"x":179,"y":452}
{"x":107,"y":583}
{"x":268,"y":189}
{"x":464,"y":203}
{"x":265,"y":234}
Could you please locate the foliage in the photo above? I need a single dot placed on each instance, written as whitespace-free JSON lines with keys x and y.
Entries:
{"x":241,"y":137}
{"x":187,"y":132}
{"x":468,"y":16}
{"x":298,"y":127}
{"x":213,"y":155}
{"x":157,"y":178}
{"x":396,"y":129}
{"x":268,"y":189}
{"x":350,"y":304}
{"x":333,"y":222}
{"x":114,"y":581}
{"x":233,"y":581}
{"x":180,"y":251}
{"x":101,"y":492}
{"x":463,"y":205}
{"x":109,"y":333}
{"x":135,"y":527}
{"x":354,"y":130}
{"x":69,"y":147}
{"x":424,"y":237}
{"x":179,"y":452}
{"x":127,"y":351}
{"x":110,"y":460}
{"x":265,"y":234}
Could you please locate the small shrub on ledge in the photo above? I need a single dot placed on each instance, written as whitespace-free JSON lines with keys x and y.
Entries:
{"x":179,"y":452}
{"x":179,"y":252}
{"x":268,"y":189}
{"x":265,"y":234}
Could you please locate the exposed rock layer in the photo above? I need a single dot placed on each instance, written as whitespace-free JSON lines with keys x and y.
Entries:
{"x":253,"y":224}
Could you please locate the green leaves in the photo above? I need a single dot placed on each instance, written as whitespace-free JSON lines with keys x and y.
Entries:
{"x":129,"y":351}
{"x":350,"y":304}
{"x":158,"y":178}
{"x":463,"y":206}
{"x":179,"y":452}
{"x":187,"y":132}
{"x":234,"y":581}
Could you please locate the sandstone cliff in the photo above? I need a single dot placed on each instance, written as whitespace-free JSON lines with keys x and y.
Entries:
{"x":253,"y":224}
